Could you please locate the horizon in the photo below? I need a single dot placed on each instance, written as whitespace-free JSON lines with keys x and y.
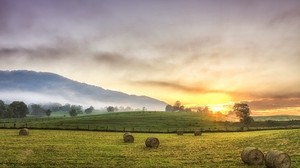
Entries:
{"x":199,"y":52}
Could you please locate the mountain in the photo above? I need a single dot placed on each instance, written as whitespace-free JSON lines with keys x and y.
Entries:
{"x":44,"y":87}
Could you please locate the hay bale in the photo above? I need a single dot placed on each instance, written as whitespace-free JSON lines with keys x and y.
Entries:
{"x":152,"y":142}
{"x":277,"y":159}
{"x":197,"y":133}
{"x":128,"y":137}
{"x":24,"y":132}
{"x":179,"y":132}
{"x":252,"y":156}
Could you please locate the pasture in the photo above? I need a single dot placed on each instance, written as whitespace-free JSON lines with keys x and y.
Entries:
{"x":162,"y":122}
{"x":66,"y":148}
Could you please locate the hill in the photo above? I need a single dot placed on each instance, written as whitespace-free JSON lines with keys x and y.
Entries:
{"x":42,"y":87}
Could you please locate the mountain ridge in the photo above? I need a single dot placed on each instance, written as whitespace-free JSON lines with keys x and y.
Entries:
{"x":25,"y":85}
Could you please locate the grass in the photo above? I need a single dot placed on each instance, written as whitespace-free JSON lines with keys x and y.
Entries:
{"x":53,"y":148}
{"x":137,"y":121}
{"x":144,"y":122}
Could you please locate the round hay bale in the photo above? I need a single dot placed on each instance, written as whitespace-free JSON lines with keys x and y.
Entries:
{"x":277,"y":159}
{"x":197,"y":133}
{"x":152,"y":142}
{"x":252,"y":156}
{"x":24,"y":132}
{"x":128,"y":137}
{"x":179,"y":132}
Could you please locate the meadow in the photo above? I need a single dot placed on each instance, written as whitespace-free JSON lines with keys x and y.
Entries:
{"x":66,"y":148}
{"x":161,"y":122}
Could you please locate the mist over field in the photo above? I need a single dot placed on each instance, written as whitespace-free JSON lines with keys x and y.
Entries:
{"x":38,"y":87}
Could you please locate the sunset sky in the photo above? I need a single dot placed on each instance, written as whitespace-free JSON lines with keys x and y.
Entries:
{"x":198,"y":51}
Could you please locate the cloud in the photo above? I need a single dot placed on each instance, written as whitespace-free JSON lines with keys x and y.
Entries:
{"x":179,"y":87}
{"x":4,"y":13}
{"x":272,"y":104}
{"x":33,"y":54}
{"x":125,"y":62}
{"x":291,"y":16}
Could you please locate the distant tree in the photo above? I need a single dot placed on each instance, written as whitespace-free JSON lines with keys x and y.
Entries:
{"x":53,"y":106}
{"x":242,"y":111}
{"x":48,"y":112}
{"x":121,"y":108}
{"x":2,"y":109}
{"x":205,"y":110}
{"x":116,"y":108}
{"x":17,"y":109}
{"x":188,"y":110}
{"x":110,"y":109}
{"x":177,"y":106}
{"x":128,"y":108}
{"x":36,"y":109}
{"x":73,"y":112}
{"x":144,"y":109}
{"x":169,"y":108}
{"x":181,"y":108}
{"x":89,"y":110}
{"x":66,"y":107}
{"x":78,"y":108}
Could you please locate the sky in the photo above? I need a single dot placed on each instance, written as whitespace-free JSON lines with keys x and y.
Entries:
{"x":201,"y":52}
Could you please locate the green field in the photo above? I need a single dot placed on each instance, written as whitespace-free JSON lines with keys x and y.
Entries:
{"x":55,"y":148}
{"x":163,"y":122}
{"x":128,"y":121}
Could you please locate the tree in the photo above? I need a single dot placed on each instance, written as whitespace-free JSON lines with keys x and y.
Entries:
{"x":89,"y":110}
{"x":73,"y":112}
{"x":48,"y":112}
{"x":128,"y":108}
{"x":37,"y":110}
{"x":66,"y":107}
{"x":177,"y":106}
{"x":110,"y":109}
{"x":242,"y":111}
{"x":169,"y":108}
{"x":2,"y":109}
{"x":78,"y":108}
{"x":17,"y":109}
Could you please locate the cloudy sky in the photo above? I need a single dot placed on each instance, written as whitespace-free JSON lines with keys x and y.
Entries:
{"x":197,"y":51}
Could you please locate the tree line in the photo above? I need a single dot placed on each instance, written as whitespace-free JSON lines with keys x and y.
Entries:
{"x":18,"y":109}
{"x":240,"y":110}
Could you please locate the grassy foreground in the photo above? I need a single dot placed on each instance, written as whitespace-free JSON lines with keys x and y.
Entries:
{"x":52,"y":148}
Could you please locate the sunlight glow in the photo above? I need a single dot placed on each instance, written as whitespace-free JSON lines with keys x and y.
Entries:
{"x":217,"y":108}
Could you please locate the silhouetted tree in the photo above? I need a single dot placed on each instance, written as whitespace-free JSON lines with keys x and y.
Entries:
{"x":242,"y":111}
{"x":169,"y":108}
{"x":177,"y":106}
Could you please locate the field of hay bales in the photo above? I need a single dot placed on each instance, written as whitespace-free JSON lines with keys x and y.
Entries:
{"x":58,"y":148}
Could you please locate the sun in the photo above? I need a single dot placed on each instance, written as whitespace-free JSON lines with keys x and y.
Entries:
{"x":216,"y":108}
